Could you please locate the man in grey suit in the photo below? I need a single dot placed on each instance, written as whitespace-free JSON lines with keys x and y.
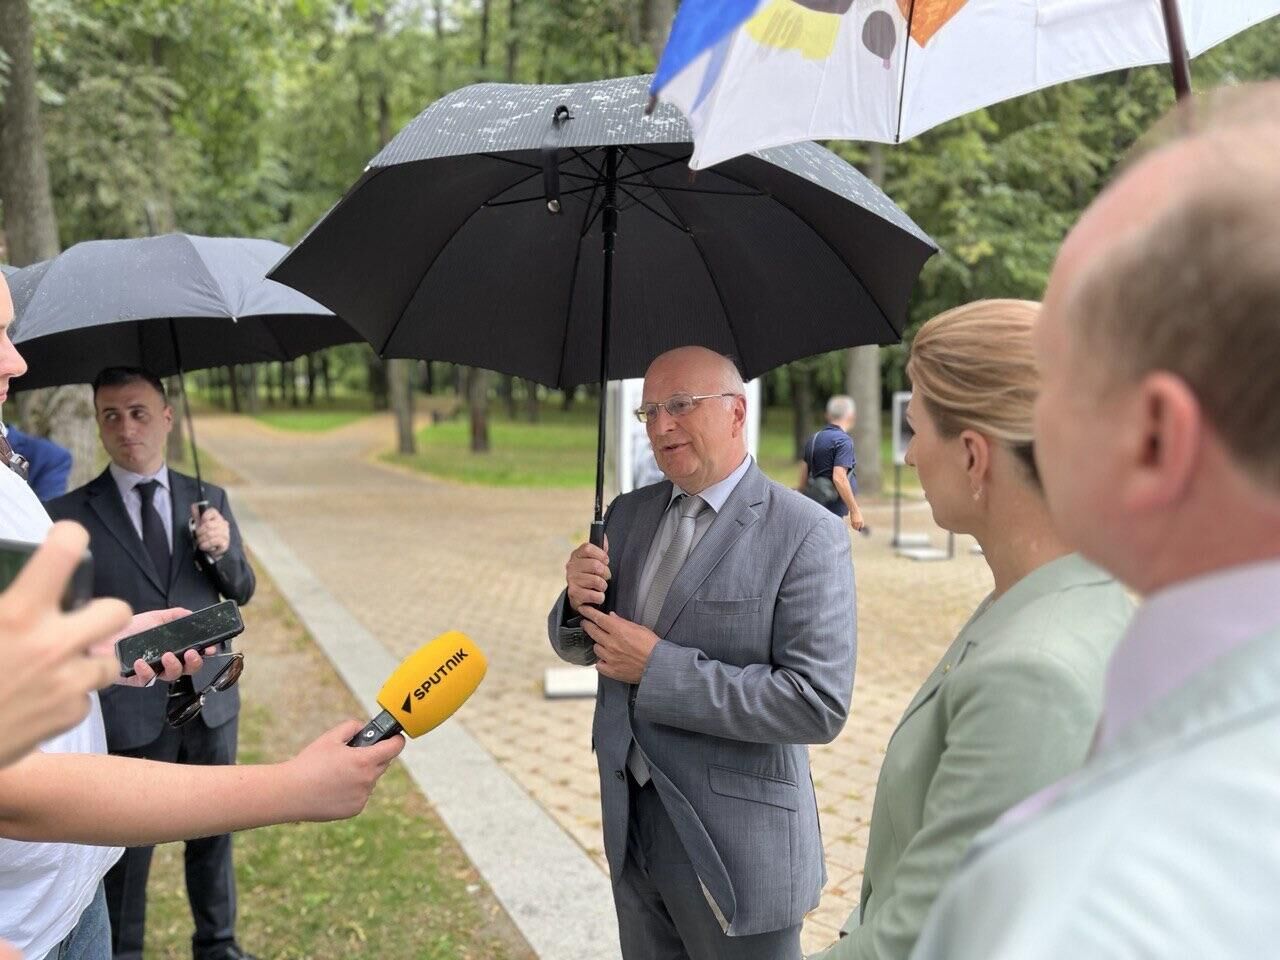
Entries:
{"x":720,"y":617}
{"x":152,"y":551}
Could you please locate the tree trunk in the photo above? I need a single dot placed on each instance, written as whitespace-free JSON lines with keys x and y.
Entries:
{"x":311,"y":379}
{"x":507,"y":392}
{"x":233,"y":380}
{"x":377,"y":381}
{"x":175,"y":447}
{"x":655,"y":19}
{"x":567,"y":398}
{"x":30,"y":224}
{"x":250,"y":374}
{"x":531,"y":401}
{"x":400,"y":386}
{"x":801,"y":405}
{"x":484,"y":34}
{"x":478,"y":406}
{"x":862,"y":382}
{"x":63,"y":414}
{"x":513,"y":40}
{"x":324,"y":375}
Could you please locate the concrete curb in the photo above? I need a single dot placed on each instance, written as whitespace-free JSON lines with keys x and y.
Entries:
{"x":555,"y":894}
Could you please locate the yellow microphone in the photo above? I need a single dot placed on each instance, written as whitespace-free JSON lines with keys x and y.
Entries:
{"x":426,"y":689}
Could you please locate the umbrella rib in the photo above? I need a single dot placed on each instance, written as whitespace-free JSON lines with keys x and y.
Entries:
{"x":902,"y":89}
{"x":531,"y":166}
{"x":539,"y":197}
{"x":702,"y":255}
{"x":573,"y":286}
{"x":656,"y":213}
{"x":836,"y":253}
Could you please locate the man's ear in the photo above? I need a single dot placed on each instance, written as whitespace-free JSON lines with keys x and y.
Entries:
{"x":739,"y":416}
{"x":1167,"y":430}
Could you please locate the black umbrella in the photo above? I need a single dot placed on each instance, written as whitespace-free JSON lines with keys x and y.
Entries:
{"x":445,"y":248}
{"x":168,"y":304}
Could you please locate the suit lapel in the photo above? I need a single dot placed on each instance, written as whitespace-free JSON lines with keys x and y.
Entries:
{"x":105,"y":501}
{"x":959,"y":648}
{"x":635,"y":548}
{"x":737,"y":516}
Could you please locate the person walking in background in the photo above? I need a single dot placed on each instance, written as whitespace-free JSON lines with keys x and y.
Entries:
{"x":153,"y":549}
{"x":720,"y":618}
{"x":827,"y":469}
{"x":1158,"y":437}
{"x":48,"y":463}
{"x":1012,"y":704}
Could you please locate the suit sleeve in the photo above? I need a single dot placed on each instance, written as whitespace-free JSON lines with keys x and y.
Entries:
{"x":564,"y":628}
{"x":802,"y":695}
{"x":232,"y":574}
{"x":1014,"y":726}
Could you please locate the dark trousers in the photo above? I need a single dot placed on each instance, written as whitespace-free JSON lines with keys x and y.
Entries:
{"x":211,"y":882}
{"x":663,"y":913}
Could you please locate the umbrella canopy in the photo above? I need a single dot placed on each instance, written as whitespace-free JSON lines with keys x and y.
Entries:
{"x":168,"y":303}
{"x":755,"y":74}
{"x":444,"y":249}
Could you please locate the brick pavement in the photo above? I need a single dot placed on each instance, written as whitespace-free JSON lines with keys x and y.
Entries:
{"x":411,"y":557}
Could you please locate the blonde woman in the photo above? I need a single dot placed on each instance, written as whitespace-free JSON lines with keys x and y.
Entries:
{"x":1013,"y":703}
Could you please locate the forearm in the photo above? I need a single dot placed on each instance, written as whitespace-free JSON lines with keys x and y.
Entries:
{"x":845,"y":489}
{"x":758,"y":703}
{"x":121,"y":801}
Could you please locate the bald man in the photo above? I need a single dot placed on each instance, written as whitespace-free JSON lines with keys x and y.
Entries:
{"x":1158,"y":440}
{"x":720,"y":617}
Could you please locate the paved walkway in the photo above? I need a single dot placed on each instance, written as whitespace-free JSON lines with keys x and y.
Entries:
{"x":410,"y":557}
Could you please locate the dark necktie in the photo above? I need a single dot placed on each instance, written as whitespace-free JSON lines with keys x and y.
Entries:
{"x":153,"y":535}
{"x":14,"y":461}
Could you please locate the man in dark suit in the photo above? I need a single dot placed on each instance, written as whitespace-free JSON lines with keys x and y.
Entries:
{"x":154,"y":549}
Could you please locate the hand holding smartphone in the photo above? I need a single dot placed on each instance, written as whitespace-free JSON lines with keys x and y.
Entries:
{"x":204,"y":628}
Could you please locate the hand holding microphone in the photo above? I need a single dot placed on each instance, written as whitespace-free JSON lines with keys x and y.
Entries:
{"x":426,"y":689}
{"x":332,"y":782}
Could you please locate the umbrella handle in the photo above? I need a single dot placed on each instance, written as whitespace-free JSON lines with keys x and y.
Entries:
{"x":597,"y":533}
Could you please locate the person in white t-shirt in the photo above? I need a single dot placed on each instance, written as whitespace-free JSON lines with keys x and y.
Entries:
{"x":68,"y":808}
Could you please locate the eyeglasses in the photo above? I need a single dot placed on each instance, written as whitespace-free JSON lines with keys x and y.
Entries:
{"x":676,"y":405}
{"x":185,"y":705}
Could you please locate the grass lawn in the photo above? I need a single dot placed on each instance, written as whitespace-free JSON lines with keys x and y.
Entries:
{"x":303,"y":420}
{"x":315,"y":418}
{"x":559,"y":451}
{"x":390,"y":883}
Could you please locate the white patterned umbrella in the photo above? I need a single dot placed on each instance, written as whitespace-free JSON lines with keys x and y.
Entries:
{"x":888,"y":70}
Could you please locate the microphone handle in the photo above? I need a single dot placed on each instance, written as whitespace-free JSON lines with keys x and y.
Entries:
{"x":380,"y":728}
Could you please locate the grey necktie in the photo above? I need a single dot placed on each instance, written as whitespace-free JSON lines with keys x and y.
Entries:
{"x":677,"y":553}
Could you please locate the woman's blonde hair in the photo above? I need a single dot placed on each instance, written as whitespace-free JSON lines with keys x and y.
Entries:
{"x":974,"y":369}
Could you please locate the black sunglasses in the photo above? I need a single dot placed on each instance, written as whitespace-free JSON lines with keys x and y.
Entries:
{"x":185,"y":705}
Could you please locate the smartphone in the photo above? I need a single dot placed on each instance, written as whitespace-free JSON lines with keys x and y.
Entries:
{"x":13,"y":556}
{"x":195,"y":631}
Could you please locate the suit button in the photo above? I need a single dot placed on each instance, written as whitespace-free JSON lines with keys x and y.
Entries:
{"x":619,"y":774}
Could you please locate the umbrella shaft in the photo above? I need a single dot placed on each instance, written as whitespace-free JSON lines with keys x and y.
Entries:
{"x":1179,"y":62}
{"x":609,"y":227}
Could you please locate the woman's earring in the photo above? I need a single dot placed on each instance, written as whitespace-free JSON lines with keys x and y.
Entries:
{"x":977,"y":495}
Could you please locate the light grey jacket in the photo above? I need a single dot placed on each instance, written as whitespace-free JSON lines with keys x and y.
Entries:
{"x":756,"y":660}
{"x":1009,"y":709}
{"x":1166,"y":845}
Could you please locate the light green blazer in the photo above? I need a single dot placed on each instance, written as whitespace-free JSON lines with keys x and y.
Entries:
{"x":1010,"y":709}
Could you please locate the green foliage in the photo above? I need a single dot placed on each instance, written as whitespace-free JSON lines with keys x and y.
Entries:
{"x":255,"y":116}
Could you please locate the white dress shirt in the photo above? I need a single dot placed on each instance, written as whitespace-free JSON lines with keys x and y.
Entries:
{"x":127,"y":482}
